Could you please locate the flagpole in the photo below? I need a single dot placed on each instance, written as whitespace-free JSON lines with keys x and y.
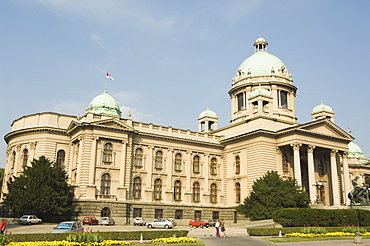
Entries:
{"x":106,"y":82}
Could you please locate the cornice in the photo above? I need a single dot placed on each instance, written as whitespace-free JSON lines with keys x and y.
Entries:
{"x":35,"y":130}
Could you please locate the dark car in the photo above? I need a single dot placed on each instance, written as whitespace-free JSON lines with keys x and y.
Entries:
{"x":90,"y":221}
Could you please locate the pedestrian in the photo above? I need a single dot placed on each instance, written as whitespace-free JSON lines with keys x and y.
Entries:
{"x":223,"y":230}
{"x":217,"y":226}
{"x":2,"y":226}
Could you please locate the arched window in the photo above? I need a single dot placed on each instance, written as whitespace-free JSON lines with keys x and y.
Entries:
{"x":107,"y":153}
{"x":178,"y":162}
{"x":25,"y":157}
{"x":105,"y":184}
{"x":177,"y":191}
{"x":320,"y":168}
{"x":237,"y":193}
{"x":105,"y":212}
{"x":158,"y":160}
{"x":158,"y":189}
{"x":285,"y":163}
{"x":196,"y":192}
{"x":213,"y":197}
{"x":237,"y":165}
{"x":213,"y":166}
{"x":138,"y":157}
{"x":137,"y":187}
{"x":196,"y":165}
{"x":61,"y":156}
{"x":13,"y":159}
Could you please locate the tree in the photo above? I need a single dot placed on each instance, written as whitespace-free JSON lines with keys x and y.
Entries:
{"x":272,"y":192}
{"x":41,"y":189}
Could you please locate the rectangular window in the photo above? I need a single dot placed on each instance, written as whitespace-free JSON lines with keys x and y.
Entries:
{"x":158,"y":213}
{"x":284,"y":99}
{"x":178,"y":214}
{"x":215,"y":215}
{"x":198,"y":214}
{"x":138,"y":212}
{"x":240,"y":98}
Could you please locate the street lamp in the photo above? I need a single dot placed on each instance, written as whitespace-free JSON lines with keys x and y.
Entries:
{"x":318,"y":187}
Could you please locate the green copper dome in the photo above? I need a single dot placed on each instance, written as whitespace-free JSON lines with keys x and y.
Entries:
{"x":355,"y":151}
{"x":260,"y":92}
{"x":207,"y":113}
{"x":322,"y":108}
{"x":104,"y":104}
{"x":262,"y":63}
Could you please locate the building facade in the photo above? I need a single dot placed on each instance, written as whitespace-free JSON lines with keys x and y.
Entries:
{"x":124,"y":168}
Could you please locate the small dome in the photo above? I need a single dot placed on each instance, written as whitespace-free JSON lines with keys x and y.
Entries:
{"x":207,"y":113}
{"x":355,"y":151}
{"x":322,"y":108}
{"x":262,"y":63}
{"x":104,"y":104}
{"x":259,"y":92}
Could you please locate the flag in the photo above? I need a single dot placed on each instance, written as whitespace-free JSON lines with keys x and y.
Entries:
{"x":109,"y":76}
{"x":349,"y":130}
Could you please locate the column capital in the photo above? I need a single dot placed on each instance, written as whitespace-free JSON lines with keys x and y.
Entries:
{"x":333,"y":152}
{"x":310,"y":148}
{"x":278,"y":151}
{"x":296,"y":146}
{"x":345,"y":154}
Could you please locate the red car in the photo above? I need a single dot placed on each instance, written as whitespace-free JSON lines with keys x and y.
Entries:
{"x":90,"y":221}
{"x":198,"y":223}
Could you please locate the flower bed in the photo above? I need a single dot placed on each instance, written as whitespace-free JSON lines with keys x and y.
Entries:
{"x":66,"y":243}
{"x":174,"y":240}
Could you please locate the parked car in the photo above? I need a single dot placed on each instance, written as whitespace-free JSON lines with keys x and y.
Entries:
{"x":107,"y":221}
{"x":165,"y":223}
{"x":29,"y":219}
{"x":198,"y":223}
{"x":90,"y":221}
{"x":212,"y":222}
{"x":139,"y":222}
{"x":68,"y":227}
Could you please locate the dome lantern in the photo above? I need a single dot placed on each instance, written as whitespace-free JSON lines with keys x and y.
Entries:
{"x":260,"y":45}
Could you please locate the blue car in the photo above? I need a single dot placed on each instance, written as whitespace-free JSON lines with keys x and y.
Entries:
{"x":68,"y":227}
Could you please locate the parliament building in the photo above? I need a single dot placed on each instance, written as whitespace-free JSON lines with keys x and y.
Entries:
{"x":125,"y":168}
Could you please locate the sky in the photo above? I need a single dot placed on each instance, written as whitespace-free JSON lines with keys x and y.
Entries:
{"x":172,"y":59}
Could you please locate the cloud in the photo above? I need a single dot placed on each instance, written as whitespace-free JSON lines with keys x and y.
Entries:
{"x":235,"y":10}
{"x":137,"y":115}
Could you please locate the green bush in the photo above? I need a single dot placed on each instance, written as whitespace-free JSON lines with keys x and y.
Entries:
{"x":4,"y":240}
{"x":313,"y":230}
{"x":85,"y":237}
{"x":353,"y":229}
{"x":285,"y":230}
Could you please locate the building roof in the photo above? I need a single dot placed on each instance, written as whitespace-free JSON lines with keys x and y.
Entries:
{"x":104,"y":104}
{"x":260,"y":92}
{"x":208,"y":113}
{"x":355,"y":151}
{"x":322,"y":108}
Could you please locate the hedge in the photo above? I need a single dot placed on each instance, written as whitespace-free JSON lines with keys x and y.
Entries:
{"x":113,"y":235}
{"x":285,"y":230}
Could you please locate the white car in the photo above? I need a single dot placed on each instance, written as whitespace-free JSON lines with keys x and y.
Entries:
{"x":107,"y":221}
{"x":139,"y":222}
{"x":68,"y":227}
{"x":164,"y":223}
{"x":29,"y":219}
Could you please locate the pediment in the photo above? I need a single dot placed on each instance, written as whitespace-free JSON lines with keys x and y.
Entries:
{"x":325,"y":127}
{"x":112,"y":123}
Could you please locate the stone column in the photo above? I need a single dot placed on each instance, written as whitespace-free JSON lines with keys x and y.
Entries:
{"x":334,"y":178}
{"x":92,"y":161}
{"x":17,"y":159}
{"x":124,"y":175}
{"x":79,"y":162}
{"x":279,"y":161}
{"x":71,"y":161}
{"x":346,"y":179}
{"x":297,"y":163}
{"x":33,"y":150}
{"x":311,"y":174}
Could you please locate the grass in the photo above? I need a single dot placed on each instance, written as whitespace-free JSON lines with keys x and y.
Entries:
{"x":299,"y":239}
{"x":198,"y":243}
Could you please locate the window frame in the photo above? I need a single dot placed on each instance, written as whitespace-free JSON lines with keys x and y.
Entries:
{"x":25,"y":158}
{"x":213,"y":193}
{"x":158,"y":162}
{"x":107,"y":153}
{"x":213,"y":166}
{"x":177,"y":190}
{"x":196,"y":164}
{"x":157,"y":189}
{"x":237,"y":164}
{"x":138,"y":157}
{"x":136,"y":190}
{"x":196,"y":192}
{"x":105,"y":184}
{"x":178,"y":162}
{"x":61,"y":157}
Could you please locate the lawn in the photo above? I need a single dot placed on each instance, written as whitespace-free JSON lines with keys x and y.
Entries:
{"x":299,"y":239}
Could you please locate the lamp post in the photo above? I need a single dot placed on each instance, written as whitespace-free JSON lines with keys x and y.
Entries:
{"x":318,"y":187}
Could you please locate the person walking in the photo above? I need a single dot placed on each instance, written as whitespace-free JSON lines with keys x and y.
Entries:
{"x":223,"y":229}
{"x":217,"y":226}
{"x":2,"y":226}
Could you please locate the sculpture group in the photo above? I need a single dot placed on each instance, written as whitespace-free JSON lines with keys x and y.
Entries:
{"x":360,"y":195}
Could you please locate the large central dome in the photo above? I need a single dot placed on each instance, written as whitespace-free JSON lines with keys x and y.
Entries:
{"x":104,"y":104}
{"x":261,"y":63}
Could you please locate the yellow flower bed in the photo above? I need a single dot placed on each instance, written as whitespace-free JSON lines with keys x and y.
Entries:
{"x":174,"y":240}
{"x":66,"y":243}
{"x":329,"y":234}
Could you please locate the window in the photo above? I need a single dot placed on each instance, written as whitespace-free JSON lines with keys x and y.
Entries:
{"x":177,"y":191}
{"x":213,"y":167}
{"x":215,"y":215}
{"x":320,"y":168}
{"x":285,"y":163}
{"x":137,"y":187}
{"x":25,"y":157}
{"x":178,"y":162}
{"x":138,"y":212}
{"x":196,"y":166}
{"x":237,"y":193}
{"x":198,"y":214}
{"x":213,"y":197}
{"x":107,"y":153}
{"x":196,"y":192}
{"x":105,"y":184}
{"x":158,"y":213}
{"x":61,"y":156}
{"x":240,"y":98}
{"x":138,"y":157}
{"x":284,"y":99}
{"x":179,"y":214}
{"x":237,"y":165}
{"x":13,"y":159}
{"x":158,"y":189}
{"x":105,"y":212}
{"x":158,"y":160}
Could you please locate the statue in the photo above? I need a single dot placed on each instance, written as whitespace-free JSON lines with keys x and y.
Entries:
{"x":360,"y":195}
